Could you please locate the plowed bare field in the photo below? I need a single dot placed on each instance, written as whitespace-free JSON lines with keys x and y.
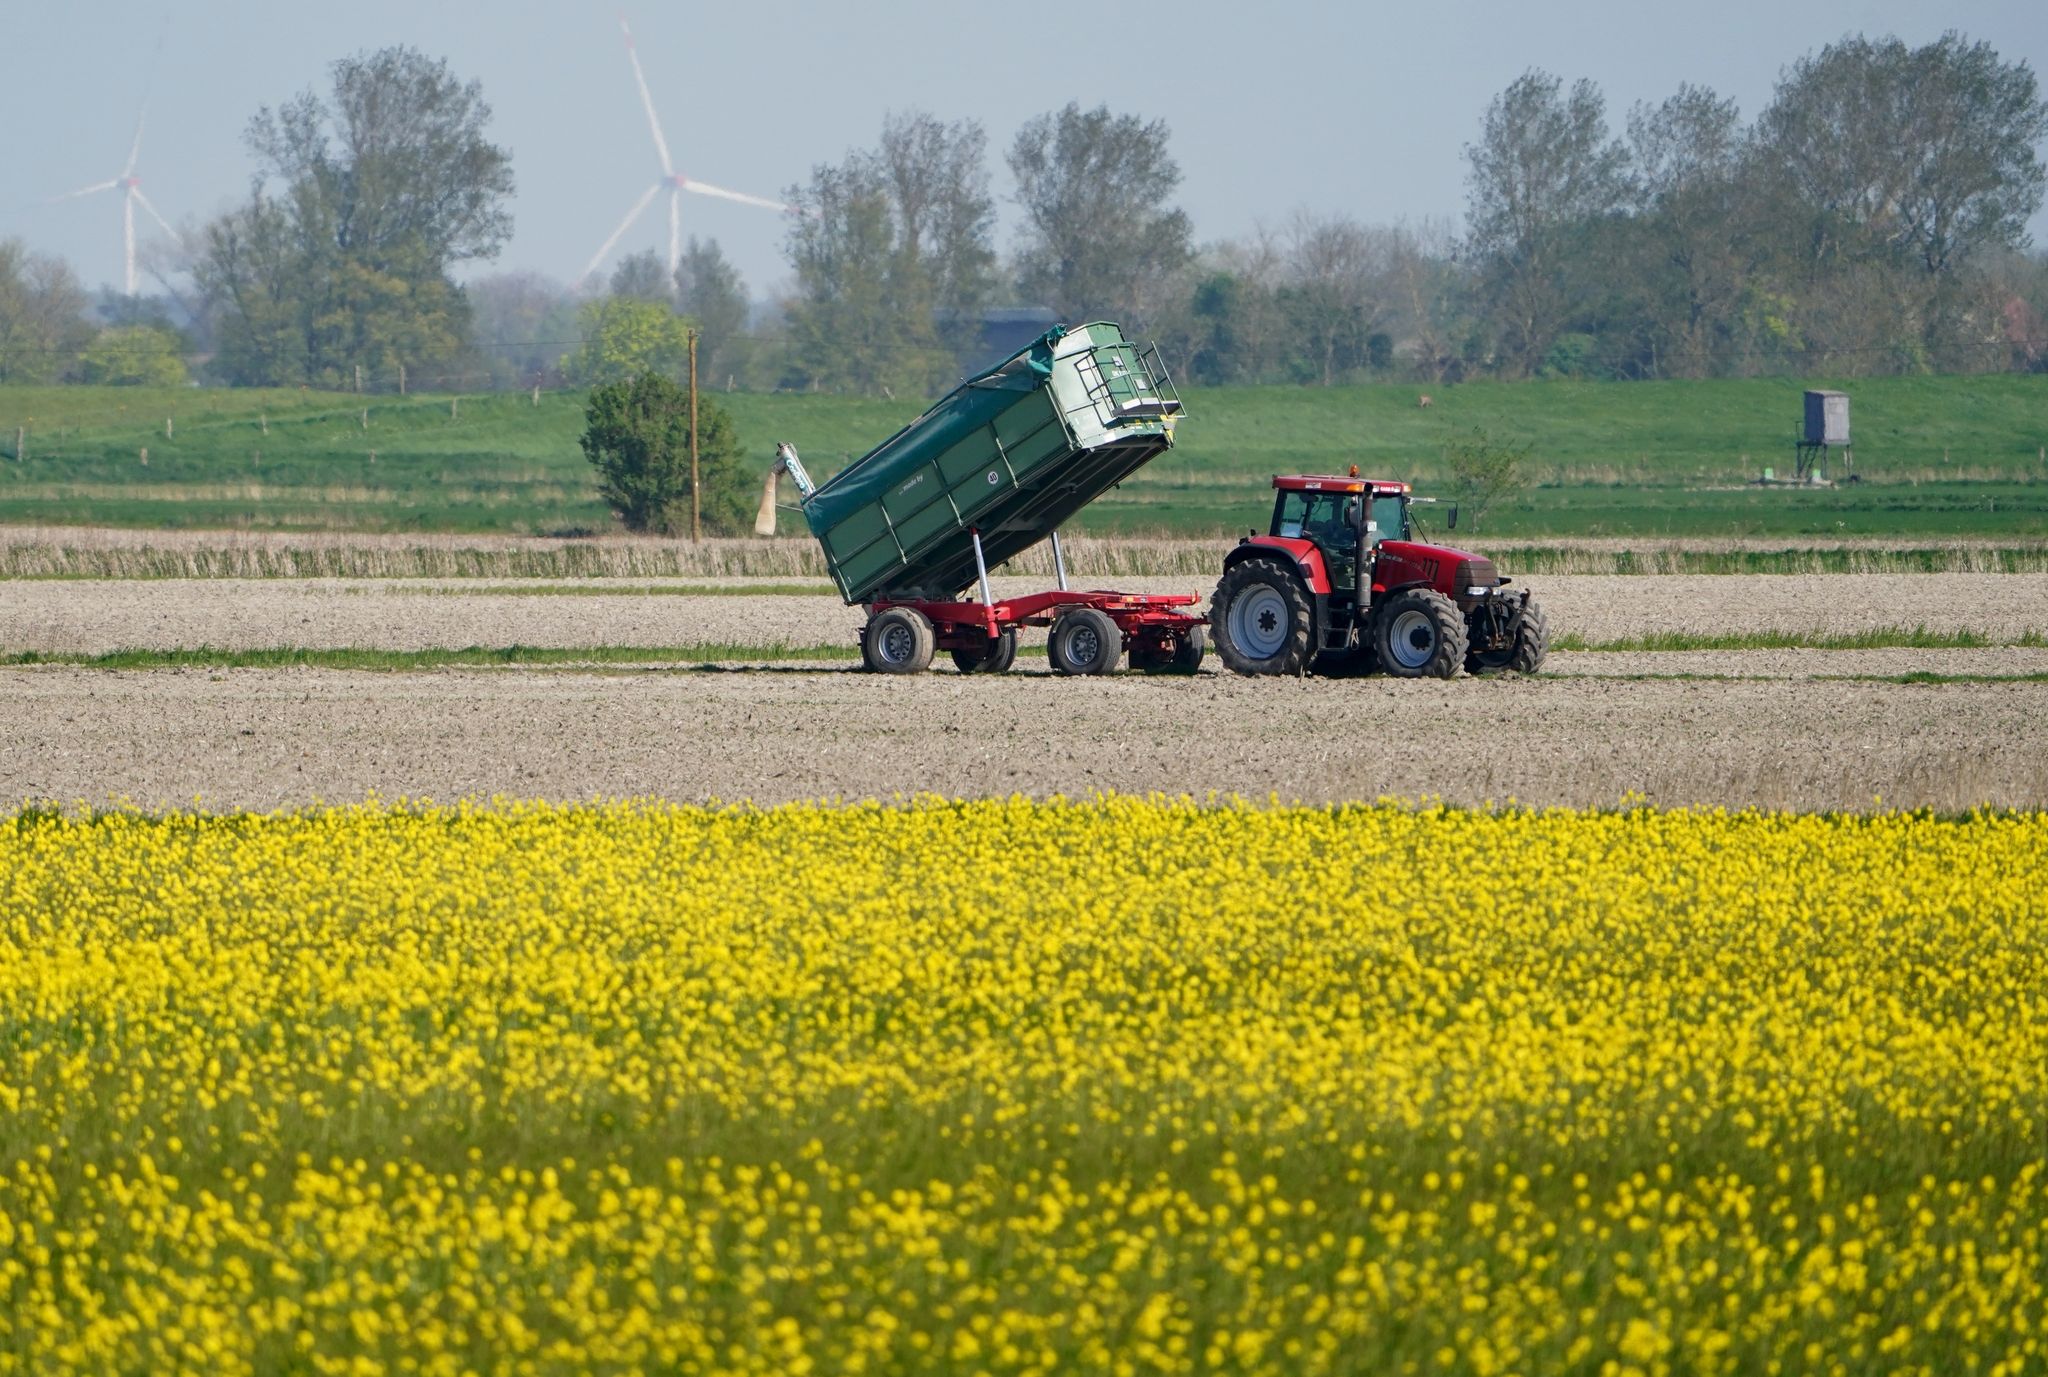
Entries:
{"x":1795,"y":728}
{"x":93,"y":616}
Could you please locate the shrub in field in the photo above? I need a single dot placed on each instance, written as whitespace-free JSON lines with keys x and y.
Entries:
{"x":637,"y":437}
{"x":1484,"y":470}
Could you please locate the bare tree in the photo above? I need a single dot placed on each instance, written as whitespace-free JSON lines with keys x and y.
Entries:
{"x":643,"y":277}
{"x":1430,"y":289}
{"x":1100,"y":235}
{"x":1542,"y":171}
{"x":42,"y":315}
{"x":892,"y":242}
{"x":1340,"y":291}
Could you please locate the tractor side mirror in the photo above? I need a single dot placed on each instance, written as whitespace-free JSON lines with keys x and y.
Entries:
{"x":1453,"y":524}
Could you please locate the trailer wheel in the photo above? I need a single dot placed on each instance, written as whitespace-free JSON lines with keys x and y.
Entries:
{"x":1085,"y":641}
{"x":1526,"y":655}
{"x":993,"y":658}
{"x":1184,"y":658}
{"x":1261,"y":619}
{"x":898,"y":641}
{"x":1419,"y":634}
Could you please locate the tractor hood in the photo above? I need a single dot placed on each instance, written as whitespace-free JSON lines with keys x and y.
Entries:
{"x":1401,"y":563}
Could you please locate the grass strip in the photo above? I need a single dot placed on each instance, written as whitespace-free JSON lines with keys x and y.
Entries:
{"x":359,"y":658}
{"x":583,"y":590}
{"x":1875,"y":638}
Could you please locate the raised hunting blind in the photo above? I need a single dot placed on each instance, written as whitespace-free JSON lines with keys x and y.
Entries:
{"x":1826,"y":428}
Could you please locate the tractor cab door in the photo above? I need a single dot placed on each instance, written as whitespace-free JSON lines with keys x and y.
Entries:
{"x":1334,"y":521}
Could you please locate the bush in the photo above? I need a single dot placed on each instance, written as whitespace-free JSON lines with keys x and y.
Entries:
{"x":1483,"y":470}
{"x":136,"y":356}
{"x":637,"y":437}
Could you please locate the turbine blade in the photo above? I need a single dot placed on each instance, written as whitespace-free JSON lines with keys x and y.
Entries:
{"x":86,"y":191}
{"x":134,"y":149}
{"x":624,"y":225}
{"x":640,"y":79}
{"x":706,"y":189}
{"x":142,"y":200}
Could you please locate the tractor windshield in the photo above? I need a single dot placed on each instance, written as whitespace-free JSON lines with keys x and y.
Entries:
{"x":1389,"y":516}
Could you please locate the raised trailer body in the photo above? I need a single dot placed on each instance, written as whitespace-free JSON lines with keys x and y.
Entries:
{"x":987,"y":472}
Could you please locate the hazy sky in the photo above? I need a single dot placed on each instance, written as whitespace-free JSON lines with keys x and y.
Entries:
{"x":1360,"y":108}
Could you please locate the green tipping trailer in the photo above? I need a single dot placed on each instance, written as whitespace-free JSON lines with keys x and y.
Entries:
{"x":1008,"y":455}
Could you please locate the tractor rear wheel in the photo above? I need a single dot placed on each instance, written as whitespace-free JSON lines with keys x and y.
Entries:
{"x":1085,"y":641}
{"x":994,"y":657}
{"x":1526,"y":655}
{"x":1261,"y":620}
{"x":1419,"y":634}
{"x":1184,"y":658}
{"x":898,"y":640}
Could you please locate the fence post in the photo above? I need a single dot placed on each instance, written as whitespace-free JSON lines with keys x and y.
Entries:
{"x":401,"y":380}
{"x":145,"y":456}
{"x":366,"y":418}
{"x":20,"y":436}
{"x":455,"y":408}
{"x":167,"y":426}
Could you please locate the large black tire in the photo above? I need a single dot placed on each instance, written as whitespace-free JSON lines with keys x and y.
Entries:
{"x":898,"y":641}
{"x":994,"y":657}
{"x":1085,"y":641}
{"x":1261,"y":619}
{"x":1419,"y":634}
{"x":1526,"y":655}
{"x":1186,"y":658}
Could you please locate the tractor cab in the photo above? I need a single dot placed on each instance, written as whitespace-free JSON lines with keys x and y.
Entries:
{"x":1345,"y":519}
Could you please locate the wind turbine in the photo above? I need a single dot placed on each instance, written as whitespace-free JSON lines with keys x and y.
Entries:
{"x":131,"y":196}
{"x":675,"y":181}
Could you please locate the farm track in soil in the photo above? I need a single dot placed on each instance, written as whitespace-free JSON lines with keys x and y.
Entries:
{"x":1776,"y":727}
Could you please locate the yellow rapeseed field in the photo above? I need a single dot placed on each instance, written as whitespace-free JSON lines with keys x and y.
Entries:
{"x":1125,"y":1086}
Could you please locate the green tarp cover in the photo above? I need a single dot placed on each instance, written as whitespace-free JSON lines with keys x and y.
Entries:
{"x":951,"y":419}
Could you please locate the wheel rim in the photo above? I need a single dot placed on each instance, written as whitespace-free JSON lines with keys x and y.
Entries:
{"x":1411,"y":640}
{"x":1084,"y":644}
{"x":897,"y":643}
{"x":1259,"y":622}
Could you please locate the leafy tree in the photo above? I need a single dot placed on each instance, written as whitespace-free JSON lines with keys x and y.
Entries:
{"x":892,"y":260}
{"x":1932,"y":150}
{"x":624,"y":337}
{"x":363,"y":202}
{"x":1483,"y":471}
{"x":1101,"y":237}
{"x":42,"y":315}
{"x":135,"y":355}
{"x":637,"y":437}
{"x":642,"y":277}
{"x":1543,"y":170}
{"x":709,"y":291}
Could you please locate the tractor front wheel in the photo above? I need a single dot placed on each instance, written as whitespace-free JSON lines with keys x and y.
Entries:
{"x":898,"y":641}
{"x":1526,"y":655}
{"x":1419,"y":634}
{"x":1261,"y":620}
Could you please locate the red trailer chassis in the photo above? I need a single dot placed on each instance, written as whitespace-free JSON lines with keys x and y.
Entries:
{"x":1090,"y":631}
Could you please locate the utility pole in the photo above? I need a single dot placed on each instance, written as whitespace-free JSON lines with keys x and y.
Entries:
{"x":696,"y":497}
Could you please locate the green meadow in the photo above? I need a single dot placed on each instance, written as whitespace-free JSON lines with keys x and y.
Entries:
{"x":1935,"y":457}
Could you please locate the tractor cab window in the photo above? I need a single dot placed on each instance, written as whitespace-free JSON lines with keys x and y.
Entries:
{"x":1330,"y":519}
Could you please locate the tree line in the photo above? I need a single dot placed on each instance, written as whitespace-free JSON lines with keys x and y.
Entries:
{"x":1869,"y":219}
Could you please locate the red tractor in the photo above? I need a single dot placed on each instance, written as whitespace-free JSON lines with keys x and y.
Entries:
{"x":1338,"y":586}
